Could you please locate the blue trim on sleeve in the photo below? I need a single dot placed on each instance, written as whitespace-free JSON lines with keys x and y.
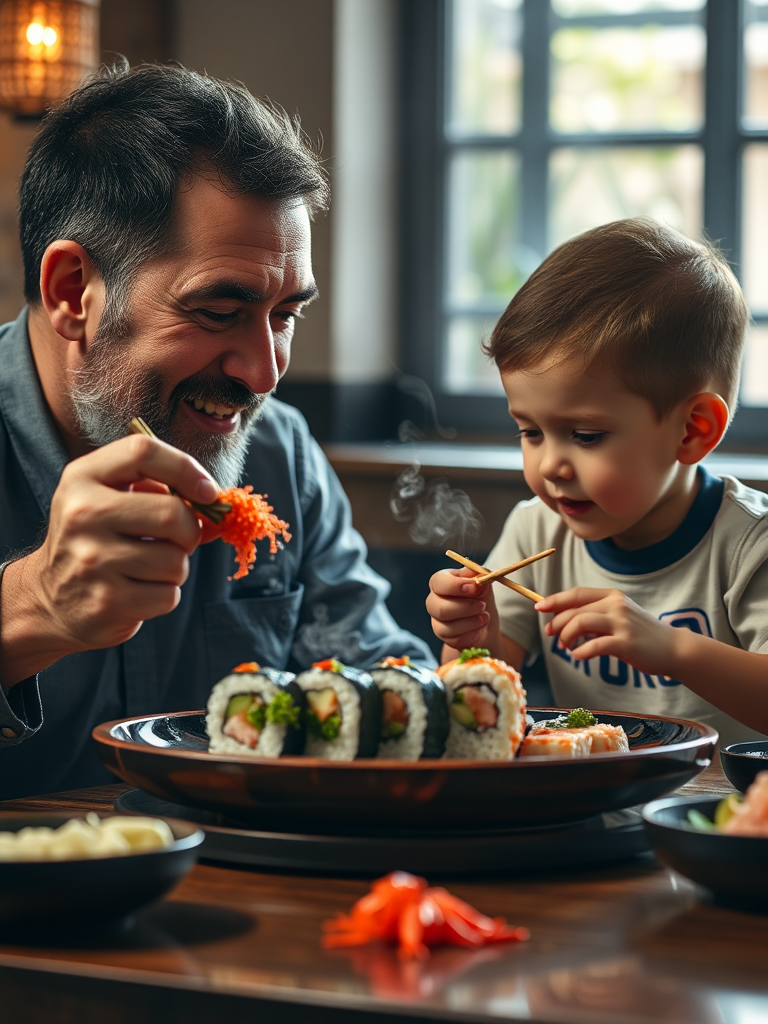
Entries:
{"x":693,"y":529}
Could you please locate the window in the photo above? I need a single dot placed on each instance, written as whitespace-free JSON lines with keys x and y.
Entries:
{"x":528,"y":121}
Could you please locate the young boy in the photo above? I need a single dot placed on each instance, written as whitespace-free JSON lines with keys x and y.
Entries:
{"x":620,"y":360}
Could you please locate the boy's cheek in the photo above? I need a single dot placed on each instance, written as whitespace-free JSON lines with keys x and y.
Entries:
{"x":537,"y":484}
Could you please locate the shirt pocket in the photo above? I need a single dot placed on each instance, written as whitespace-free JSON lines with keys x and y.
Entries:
{"x":251,"y":629}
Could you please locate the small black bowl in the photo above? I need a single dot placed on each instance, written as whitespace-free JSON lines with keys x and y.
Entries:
{"x":733,"y":868}
{"x":74,"y":894}
{"x":742,"y":761}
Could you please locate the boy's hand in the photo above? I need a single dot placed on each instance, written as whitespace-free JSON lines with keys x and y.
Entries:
{"x":591,"y":622}
{"x":463,"y":614}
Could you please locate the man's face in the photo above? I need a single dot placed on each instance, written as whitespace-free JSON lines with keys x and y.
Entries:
{"x":208,"y":329}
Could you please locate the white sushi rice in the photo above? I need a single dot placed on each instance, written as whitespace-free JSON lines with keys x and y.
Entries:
{"x":501,"y":742}
{"x":409,"y":746}
{"x":345,"y":746}
{"x":272,"y":736}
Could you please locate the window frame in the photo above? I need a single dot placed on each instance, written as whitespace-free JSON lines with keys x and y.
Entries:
{"x":426,"y":150}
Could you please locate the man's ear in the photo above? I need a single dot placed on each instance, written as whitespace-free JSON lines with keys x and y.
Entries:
{"x":68,"y":284}
{"x":706,"y":419}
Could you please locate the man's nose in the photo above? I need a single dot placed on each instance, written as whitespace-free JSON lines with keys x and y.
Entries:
{"x":258,"y":361}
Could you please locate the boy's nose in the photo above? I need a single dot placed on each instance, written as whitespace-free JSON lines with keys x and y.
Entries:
{"x":554,"y":465}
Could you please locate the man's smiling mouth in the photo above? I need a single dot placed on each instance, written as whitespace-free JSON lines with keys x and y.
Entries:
{"x":220,"y":412}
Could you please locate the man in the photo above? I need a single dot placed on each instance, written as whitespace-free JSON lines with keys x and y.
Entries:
{"x":165,"y":229}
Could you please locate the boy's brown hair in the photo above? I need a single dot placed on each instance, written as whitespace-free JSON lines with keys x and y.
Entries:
{"x":665,"y":313}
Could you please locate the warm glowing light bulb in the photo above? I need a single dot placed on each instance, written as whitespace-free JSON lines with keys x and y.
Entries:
{"x":35,"y":33}
{"x":50,"y":36}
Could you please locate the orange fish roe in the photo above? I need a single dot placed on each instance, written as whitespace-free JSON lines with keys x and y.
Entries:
{"x":247,"y":666}
{"x":249,"y":520}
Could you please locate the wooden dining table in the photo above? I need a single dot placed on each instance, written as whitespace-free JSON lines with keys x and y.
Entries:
{"x":631,"y":943}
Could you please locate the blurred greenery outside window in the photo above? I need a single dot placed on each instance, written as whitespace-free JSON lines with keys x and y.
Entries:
{"x":529,"y":121}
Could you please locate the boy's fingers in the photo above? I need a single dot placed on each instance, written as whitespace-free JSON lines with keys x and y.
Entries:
{"x":583,"y":625}
{"x":453,"y":583}
{"x":595,"y":648}
{"x":576,"y":597}
{"x":449,"y":631}
{"x":450,"y":611}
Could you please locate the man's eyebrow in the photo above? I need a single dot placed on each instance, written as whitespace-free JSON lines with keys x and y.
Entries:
{"x":242,"y":293}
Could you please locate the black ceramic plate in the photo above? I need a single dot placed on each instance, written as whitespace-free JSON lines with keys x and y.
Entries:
{"x":733,"y":868}
{"x":68,"y":894}
{"x":742,"y":761}
{"x":601,"y":840}
{"x":167,"y":756}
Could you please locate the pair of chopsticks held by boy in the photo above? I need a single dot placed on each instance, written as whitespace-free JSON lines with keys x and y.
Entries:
{"x":620,"y":358}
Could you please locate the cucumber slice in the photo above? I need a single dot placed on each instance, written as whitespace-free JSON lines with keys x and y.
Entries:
{"x":237,"y":704}
{"x":462,"y":714}
{"x":394,"y":729}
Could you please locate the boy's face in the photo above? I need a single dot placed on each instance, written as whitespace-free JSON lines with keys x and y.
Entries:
{"x":597,"y":454}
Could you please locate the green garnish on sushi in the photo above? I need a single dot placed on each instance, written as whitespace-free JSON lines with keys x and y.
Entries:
{"x":579,"y":718}
{"x":282,"y":711}
{"x":257,"y":716}
{"x":473,"y":652}
{"x":327,"y":730}
{"x":249,"y":704}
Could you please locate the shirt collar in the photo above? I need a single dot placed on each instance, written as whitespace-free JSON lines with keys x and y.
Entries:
{"x":693,"y":528}
{"x":32,"y":432}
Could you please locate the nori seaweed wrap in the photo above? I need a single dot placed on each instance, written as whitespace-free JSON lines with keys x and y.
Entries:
{"x":415,"y":720}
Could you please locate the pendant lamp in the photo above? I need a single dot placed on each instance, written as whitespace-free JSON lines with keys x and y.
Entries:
{"x":46,"y":46}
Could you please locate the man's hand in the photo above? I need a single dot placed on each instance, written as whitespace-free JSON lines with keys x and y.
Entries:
{"x":116,"y":553}
{"x":591,"y":622}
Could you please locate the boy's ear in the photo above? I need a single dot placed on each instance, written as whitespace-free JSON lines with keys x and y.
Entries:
{"x":68,"y":285}
{"x":706,"y":419}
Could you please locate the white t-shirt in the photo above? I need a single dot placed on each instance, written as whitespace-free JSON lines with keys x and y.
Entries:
{"x":710,"y":576}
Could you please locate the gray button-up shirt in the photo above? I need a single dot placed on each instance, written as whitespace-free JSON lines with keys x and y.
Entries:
{"x":317,"y":598}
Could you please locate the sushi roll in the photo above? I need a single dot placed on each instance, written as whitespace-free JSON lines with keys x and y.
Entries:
{"x":607,"y":739}
{"x":256,"y":711}
{"x":343,"y":711}
{"x":556,"y":743}
{"x":486,"y":702}
{"x":600,"y":737}
{"x":414,"y":712}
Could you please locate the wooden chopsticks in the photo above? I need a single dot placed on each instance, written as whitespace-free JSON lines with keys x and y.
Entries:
{"x":517,"y":587}
{"x":489,"y":577}
{"x":215,"y":510}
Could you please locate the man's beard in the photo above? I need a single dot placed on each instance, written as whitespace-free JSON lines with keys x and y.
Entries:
{"x":107,"y":392}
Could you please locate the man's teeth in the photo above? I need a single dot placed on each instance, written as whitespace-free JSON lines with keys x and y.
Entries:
{"x":220,"y":411}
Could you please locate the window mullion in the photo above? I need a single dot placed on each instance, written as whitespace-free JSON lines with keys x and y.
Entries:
{"x":534,"y":137}
{"x":722,"y":138}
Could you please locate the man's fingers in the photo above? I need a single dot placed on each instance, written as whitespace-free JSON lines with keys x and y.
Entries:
{"x":159,"y":516}
{"x":449,"y":631}
{"x":135,"y":458}
{"x":151,"y":561}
